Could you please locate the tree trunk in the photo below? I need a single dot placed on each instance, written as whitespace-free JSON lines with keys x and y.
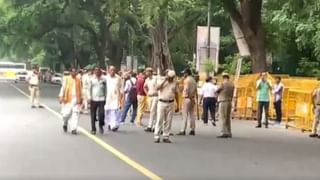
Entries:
{"x":248,"y":18}
{"x":160,"y":57}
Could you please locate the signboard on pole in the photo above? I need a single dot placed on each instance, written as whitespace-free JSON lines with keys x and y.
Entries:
{"x":202,"y":47}
{"x":132,"y":63}
{"x":241,"y":42}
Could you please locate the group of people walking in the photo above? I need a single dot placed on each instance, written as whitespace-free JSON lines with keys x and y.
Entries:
{"x":111,"y":96}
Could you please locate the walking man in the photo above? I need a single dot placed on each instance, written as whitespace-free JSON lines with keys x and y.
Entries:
{"x":168,"y":91}
{"x":316,"y":105}
{"x":277,"y":92}
{"x":264,"y":88}
{"x":141,"y":97}
{"x":130,"y":93}
{"x":150,"y":87}
{"x":208,"y":95}
{"x":97,"y":99}
{"x":70,"y":97}
{"x":188,"y":94}
{"x":33,"y":81}
{"x":225,"y":95}
{"x":113,"y":98}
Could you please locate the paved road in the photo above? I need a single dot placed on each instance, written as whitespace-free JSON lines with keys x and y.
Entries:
{"x":32,"y":146}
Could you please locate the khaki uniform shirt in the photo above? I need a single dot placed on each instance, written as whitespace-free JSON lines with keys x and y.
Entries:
{"x":189,"y":87}
{"x":316,"y":97}
{"x":151,"y":84}
{"x":226,"y":91}
{"x":169,"y":90}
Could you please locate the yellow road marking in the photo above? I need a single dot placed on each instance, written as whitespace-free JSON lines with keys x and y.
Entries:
{"x":105,"y":145}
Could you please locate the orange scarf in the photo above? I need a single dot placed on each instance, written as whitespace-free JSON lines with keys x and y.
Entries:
{"x":67,"y":96}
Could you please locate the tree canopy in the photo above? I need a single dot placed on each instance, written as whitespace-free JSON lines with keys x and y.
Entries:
{"x":161,"y":33}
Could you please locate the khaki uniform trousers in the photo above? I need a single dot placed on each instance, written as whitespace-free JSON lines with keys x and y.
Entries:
{"x":315,"y":129}
{"x":188,"y":113}
{"x":153,"y":103}
{"x":142,"y":105}
{"x":225,"y":117}
{"x":34,"y":95}
{"x":165,"y":113}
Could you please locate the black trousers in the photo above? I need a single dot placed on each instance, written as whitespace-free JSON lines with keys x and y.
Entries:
{"x":263,"y":106}
{"x":277,"y":107}
{"x":97,"y":107}
{"x":209,"y":104}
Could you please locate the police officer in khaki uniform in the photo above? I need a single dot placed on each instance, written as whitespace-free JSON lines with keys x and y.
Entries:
{"x":316,"y":104}
{"x":33,"y":81}
{"x":189,"y":93}
{"x":168,"y":91}
{"x":225,"y":92}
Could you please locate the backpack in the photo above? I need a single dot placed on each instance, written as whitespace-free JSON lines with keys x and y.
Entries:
{"x":132,"y":94}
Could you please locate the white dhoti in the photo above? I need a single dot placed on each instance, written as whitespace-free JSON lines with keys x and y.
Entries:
{"x":70,"y":115}
{"x":112,"y":118}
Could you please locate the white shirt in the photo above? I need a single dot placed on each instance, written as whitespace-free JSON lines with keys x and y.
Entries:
{"x":113,"y":92}
{"x":34,"y":79}
{"x":278,"y":91}
{"x":127,"y":86}
{"x":209,"y":90}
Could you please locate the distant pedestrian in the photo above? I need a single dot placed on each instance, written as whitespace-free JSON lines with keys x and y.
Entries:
{"x":209,"y":98}
{"x":316,"y":105}
{"x":264,"y":88}
{"x":278,"y":93}
{"x":225,"y":95}
{"x":85,"y":91}
{"x":113,"y":98}
{"x":130,"y":93}
{"x":97,"y":99}
{"x":141,"y":97}
{"x":189,"y":95}
{"x":70,"y":97}
{"x":150,"y":87}
{"x":168,"y":92}
{"x":33,"y":81}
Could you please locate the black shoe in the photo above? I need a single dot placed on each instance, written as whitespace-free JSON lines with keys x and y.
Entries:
{"x":213,"y":123}
{"x":109,"y":128}
{"x":152,"y":130}
{"x":313,"y":135}
{"x":166,"y":141}
{"x":101,"y":130}
{"x":157,"y":140}
{"x":171,"y":134}
{"x":41,"y":107}
{"x":181,"y":133}
{"x":74,"y":132}
{"x":65,"y":128}
{"x":224,"y":136}
{"x":267,"y":126}
{"x":148,"y":130}
{"x":33,"y":106}
{"x":192,"y":133}
{"x":93,"y":132}
{"x":258,"y":126}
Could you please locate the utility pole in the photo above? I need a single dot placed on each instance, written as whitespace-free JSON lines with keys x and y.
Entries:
{"x":209,"y":30}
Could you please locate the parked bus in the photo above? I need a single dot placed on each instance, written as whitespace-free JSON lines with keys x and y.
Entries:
{"x":10,"y":70}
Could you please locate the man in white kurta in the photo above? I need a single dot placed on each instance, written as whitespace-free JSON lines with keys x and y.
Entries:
{"x":113,"y":97}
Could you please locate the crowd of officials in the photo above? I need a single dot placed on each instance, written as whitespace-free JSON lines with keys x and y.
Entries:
{"x":110,"y":95}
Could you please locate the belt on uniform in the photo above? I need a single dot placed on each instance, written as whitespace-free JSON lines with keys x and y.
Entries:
{"x":32,"y":85}
{"x":188,"y":97}
{"x":166,"y":101}
{"x":153,"y":95}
